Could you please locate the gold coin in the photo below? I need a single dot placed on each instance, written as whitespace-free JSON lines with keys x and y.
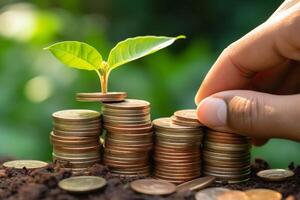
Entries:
{"x":95,"y":122}
{"x":196,"y":184}
{"x":76,"y":155}
{"x":263,"y":194}
{"x":114,"y":112}
{"x":62,"y":127}
{"x":78,"y":158}
{"x":102,"y":97}
{"x":275,"y":174}
{"x":153,"y":187}
{"x":227,"y":176}
{"x":166,"y":124}
{"x":187,"y":115}
{"x":76,"y":133}
{"x":28,"y":164}
{"x":177,"y":121}
{"x":75,"y":115}
{"x":178,"y":173}
{"x":210,"y":193}
{"x":131,"y":125}
{"x":82,"y":184}
{"x":226,"y":154}
{"x":233,"y":195}
{"x":77,"y":149}
{"x":226,"y":134}
{"x":128,"y":104}
{"x":183,"y":178}
{"x":73,"y":138}
{"x":133,"y":130}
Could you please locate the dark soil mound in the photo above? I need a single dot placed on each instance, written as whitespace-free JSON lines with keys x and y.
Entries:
{"x":42,"y":184}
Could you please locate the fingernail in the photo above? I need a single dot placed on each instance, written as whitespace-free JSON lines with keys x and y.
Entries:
{"x":212,"y":112}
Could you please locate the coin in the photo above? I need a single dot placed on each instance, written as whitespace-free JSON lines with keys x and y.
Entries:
{"x":233,"y":195}
{"x":210,"y":193}
{"x":102,"y":97}
{"x":166,"y":124}
{"x":28,"y":164}
{"x":195,"y":184}
{"x":263,"y":194}
{"x":128,"y":104}
{"x":187,"y":114}
{"x":275,"y":174}
{"x":187,"y":117}
{"x":153,"y":187}
{"x":82,"y":184}
{"x":75,"y":115}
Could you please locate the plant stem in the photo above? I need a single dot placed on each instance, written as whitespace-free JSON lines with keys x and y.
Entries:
{"x":104,"y":81}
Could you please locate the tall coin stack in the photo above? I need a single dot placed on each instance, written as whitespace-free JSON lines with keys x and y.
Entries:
{"x":177,"y":150}
{"x":75,"y":139}
{"x":129,"y":137}
{"x":227,"y":156}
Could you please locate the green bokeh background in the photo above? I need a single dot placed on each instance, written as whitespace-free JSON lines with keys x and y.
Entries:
{"x":33,"y":84}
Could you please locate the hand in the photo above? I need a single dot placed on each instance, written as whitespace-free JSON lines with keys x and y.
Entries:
{"x":253,"y":87}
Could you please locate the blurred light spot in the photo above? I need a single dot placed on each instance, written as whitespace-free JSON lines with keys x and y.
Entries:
{"x":17,"y":22}
{"x":38,"y":89}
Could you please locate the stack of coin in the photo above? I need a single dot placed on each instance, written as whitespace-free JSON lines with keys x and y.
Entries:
{"x":128,"y":140}
{"x":177,"y":151}
{"x":227,"y":156}
{"x":75,"y":138}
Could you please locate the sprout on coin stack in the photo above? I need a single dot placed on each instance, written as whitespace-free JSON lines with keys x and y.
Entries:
{"x":227,"y":156}
{"x":177,"y":147}
{"x":75,"y":139}
{"x":128,"y":140}
{"x":83,"y":56}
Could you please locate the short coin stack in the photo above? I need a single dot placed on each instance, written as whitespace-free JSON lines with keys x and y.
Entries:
{"x":75,"y":138}
{"x":177,"y":151}
{"x":129,"y":137}
{"x":227,"y":156}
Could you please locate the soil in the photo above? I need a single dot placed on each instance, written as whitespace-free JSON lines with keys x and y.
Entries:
{"x":42,"y":184}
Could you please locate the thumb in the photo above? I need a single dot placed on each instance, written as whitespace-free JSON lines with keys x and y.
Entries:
{"x":255,"y":114}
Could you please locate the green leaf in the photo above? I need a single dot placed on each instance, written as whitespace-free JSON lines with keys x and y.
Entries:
{"x":76,"y":54}
{"x":135,"y":48}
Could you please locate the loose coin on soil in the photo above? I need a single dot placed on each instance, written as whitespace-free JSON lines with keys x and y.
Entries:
{"x":28,"y":164}
{"x":275,"y":174}
{"x":210,"y":193}
{"x":263,"y":194}
{"x":196,"y":184}
{"x":102,"y":97}
{"x":81,"y":184}
{"x":233,"y":195}
{"x":153,"y":187}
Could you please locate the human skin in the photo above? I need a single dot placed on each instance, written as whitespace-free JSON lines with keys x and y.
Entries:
{"x":253,"y":87}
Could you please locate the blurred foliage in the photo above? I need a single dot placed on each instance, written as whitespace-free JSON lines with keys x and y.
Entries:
{"x":34,"y":84}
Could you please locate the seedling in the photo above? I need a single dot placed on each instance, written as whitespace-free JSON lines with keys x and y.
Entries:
{"x":83,"y":56}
